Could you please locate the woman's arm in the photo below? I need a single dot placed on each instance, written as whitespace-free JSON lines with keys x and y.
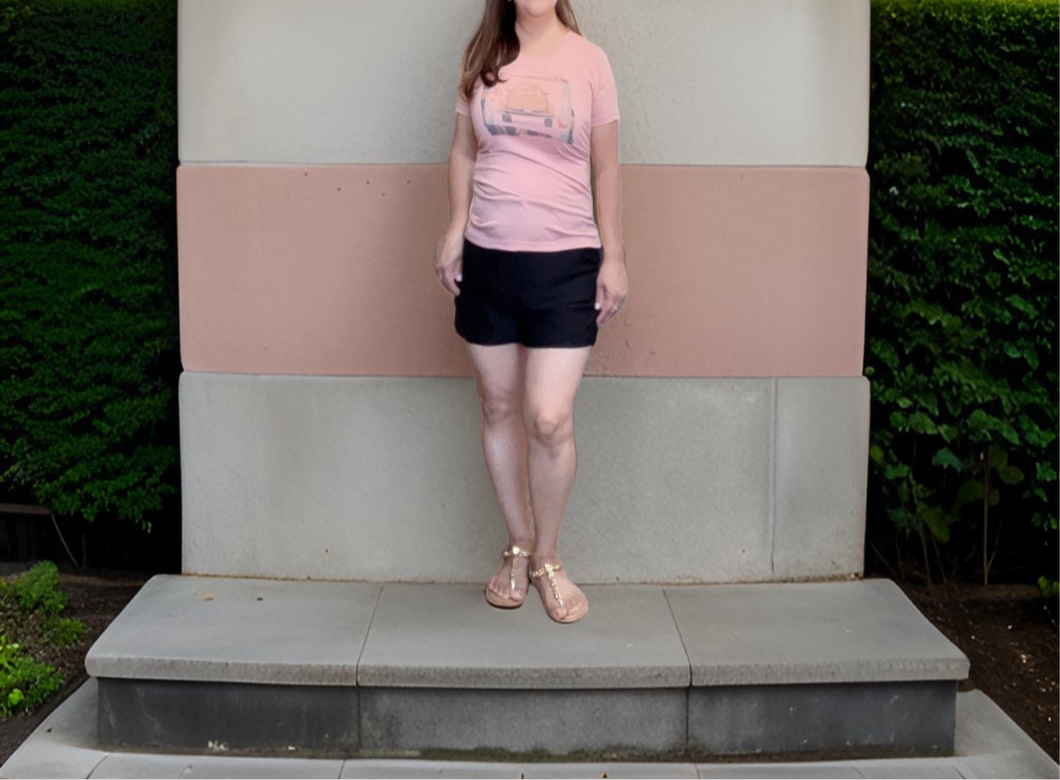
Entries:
{"x":612,"y":284}
{"x":462,"y":153}
{"x":607,"y":184}
{"x":448,"y":254}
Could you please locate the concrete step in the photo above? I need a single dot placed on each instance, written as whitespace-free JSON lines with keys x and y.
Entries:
{"x":987,"y":744}
{"x":250,"y":666}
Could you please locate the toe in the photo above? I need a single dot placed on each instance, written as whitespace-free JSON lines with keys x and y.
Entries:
{"x":559,"y":610}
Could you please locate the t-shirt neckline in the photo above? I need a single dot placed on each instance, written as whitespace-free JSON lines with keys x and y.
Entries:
{"x":540,"y":58}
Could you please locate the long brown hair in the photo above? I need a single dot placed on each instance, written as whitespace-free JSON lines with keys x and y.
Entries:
{"x":495,"y":43}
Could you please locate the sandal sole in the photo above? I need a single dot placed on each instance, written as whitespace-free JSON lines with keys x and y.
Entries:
{"x":502,"y":605}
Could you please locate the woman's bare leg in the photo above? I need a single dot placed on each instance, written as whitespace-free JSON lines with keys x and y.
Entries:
{"x":552,"y":379}
{"x":499,"y":372}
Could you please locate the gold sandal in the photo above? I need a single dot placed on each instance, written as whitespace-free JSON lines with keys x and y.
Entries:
{"x":504,"y":602}
{"x":572,"y":616}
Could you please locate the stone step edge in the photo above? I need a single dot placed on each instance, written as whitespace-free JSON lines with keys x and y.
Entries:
{"x":925,"y":667}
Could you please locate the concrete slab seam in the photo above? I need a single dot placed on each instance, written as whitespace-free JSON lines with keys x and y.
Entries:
{"x":866,"y":469}
{"x":368,"y":631}
{"x":688,"y":658}
{"x":774,"y":388}
{"x":92,"y":770}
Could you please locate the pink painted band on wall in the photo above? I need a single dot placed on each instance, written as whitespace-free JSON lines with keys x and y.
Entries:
{"x":327,"y":270}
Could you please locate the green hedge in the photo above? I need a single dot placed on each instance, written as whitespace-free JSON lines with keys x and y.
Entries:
{"x":88,"y":325}
{"x":963,"y":253}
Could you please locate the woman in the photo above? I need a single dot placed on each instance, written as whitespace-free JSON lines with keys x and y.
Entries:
{"x":532,"y":274}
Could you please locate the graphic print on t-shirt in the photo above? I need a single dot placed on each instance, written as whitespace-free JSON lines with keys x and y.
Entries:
{"x":530,"y":105}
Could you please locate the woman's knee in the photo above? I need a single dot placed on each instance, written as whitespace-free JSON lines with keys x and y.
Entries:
{"x":498,"y":406}
{"x":549,"y":424}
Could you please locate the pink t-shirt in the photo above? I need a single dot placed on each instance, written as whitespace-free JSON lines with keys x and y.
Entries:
{"x":532,"y":186}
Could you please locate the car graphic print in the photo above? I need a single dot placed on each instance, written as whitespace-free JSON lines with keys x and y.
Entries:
{"x":530,"y":105}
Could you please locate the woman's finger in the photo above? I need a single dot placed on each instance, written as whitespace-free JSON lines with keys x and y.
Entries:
{"x":601,"y":303}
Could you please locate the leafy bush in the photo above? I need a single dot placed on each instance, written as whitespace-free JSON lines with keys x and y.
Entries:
{"x":63,"y":632}
{"x":962,"y":295}
{"x":88,"y":328}
{"x":24,"y":682}
{"x":1050,"y":588}
{"x":38,"y":588}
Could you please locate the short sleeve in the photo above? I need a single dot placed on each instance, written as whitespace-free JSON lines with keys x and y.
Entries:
{"x":605,"y":94}
{"x":462,"y":105}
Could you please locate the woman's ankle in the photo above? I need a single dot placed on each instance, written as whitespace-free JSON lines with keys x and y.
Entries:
{"x":538,"y":557}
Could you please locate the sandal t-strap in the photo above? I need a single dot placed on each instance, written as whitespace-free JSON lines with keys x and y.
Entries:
{"x":549,"y":568}
{"x":514,"y":552}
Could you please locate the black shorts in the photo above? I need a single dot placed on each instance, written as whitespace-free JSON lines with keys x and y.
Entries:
{"x":539,"y":299}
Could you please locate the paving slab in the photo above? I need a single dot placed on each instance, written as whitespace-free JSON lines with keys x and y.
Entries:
{"x":63,"y":745}
{"x":118,"y":766}
{"x":630,"y":769}
{"x":944,"y":768}
{"x":448,"y":636}
{"x":922,"y":770}
{"x":163,"y":766}
{"x":227,"y":629}
{"x":808,"y":632}
{"x":414,"y":768}
{"x":991,"y":744}
{"x":792,"y":769}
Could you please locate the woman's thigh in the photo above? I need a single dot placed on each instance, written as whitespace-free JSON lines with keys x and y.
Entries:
{"x":499,"y":375}
{"x":553,"y":375}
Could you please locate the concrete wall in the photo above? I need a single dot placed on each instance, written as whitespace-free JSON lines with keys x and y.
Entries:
{"x":328,"y":414}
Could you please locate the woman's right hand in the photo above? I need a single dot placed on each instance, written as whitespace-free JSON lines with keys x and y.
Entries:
{"x":449,"y":259}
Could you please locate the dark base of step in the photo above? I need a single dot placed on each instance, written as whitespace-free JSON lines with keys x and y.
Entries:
{"x":817,"y":721}
{"x":632,"y":720}
{"x":834,"y":719}
{"x":227,"y":718}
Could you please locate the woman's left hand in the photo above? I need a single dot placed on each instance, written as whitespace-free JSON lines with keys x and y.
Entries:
{"x":611,"y":286}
